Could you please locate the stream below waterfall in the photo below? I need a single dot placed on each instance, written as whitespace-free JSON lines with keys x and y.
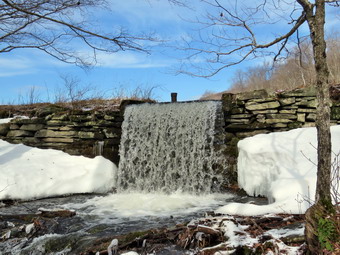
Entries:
{"x":110,"y":215}
{"x":168,"y":153}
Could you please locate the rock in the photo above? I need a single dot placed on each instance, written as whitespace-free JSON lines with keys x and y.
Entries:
{"x":58,"y":123}
{"x":304,"y":92}
{"x":287,"y":101}
{"x":19,"y":133}
{"x":31,"y":141}
{"x":291,"y":111}
{"x":90,"y":135}
{"x":256,"y":94}
{"x":228,"y":103}
{"x":311,"y":117}
{"x":112,"y":132}
{"x":252,"y":106}
{"x":308,"y":124}
{"x":80,"y":118}
{"x":56,"y":213}
{"x":251,"y":133}
{"x":237,"y":110}
{"x":239,"y":127}
{"x":306,"y":110}
{"x":32,"y":127}
{"x":51,"y":133}
{"x":29,"y":121}
{"x":301,"y":117}
{"x":240,"y":116}
{"x":4,"y":128}
{"x":282,"y":116}
{"x":238,"y":120}
{"x":60,"y":117}
{"x":14,"y":126}
{"x":57,"y":140}
{"x":274,"y":121}
{"x":280,"y":125}
{"x":294,"y":125}
{"x":265,"y":111}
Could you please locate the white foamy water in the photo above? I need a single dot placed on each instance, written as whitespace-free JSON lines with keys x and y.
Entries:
{"x":167,"y":147}
{"x":137,"y":205}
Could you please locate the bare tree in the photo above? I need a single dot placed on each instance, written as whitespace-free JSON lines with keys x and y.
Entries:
{"x":294,"y":72}
{"x":72,"y":91}
{"x":233,"y":37}
{"x":55,"y":26}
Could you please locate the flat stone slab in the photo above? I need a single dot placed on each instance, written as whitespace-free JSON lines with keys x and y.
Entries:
{"x":19,"y":133}
{"x":251,"y":106}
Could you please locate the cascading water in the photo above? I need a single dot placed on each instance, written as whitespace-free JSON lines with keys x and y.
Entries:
{"x":170,"y":147}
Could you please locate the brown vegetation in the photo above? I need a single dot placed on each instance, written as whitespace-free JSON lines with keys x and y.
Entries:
{"x":296,"y":71}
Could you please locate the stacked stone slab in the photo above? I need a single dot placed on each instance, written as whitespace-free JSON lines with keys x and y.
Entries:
{"x":259,"y":112}
{"x":77,"y":133}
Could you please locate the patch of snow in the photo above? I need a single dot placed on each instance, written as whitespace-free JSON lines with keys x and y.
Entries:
{"x":289,"y":250}
{"x":280,"y":166}
{"x":113,"y":247}
{"x":225,"y":252}
{"x":7,"y":120}
{"x":284,"y":232}
{"x":7,"y":235}
{"x":10,"y":224}
{"x":29,"y":173}
{"x":236,"y":235}
{"x":29,"y":228}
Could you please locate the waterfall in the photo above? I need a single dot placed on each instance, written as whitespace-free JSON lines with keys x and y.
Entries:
{"x":170,"y":147}
{"x":98,"y":148}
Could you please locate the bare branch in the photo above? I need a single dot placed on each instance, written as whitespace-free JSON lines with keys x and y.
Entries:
{"x":47,"y":25}
{"x":243,"y":47}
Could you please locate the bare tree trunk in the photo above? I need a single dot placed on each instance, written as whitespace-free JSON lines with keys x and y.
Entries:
{"x":323,"y":202}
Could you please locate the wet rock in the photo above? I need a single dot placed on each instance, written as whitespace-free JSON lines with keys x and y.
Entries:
{"x":56,"y":213}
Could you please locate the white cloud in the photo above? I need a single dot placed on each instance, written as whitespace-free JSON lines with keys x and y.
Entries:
{"x":15,"y":66}
{"x":129,"y":60}
{"x":4,"y":73}
{"x":14,"y":63}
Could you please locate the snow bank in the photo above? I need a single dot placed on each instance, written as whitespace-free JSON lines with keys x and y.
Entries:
{"x":280,"y":166}
{"x":28,"y":173}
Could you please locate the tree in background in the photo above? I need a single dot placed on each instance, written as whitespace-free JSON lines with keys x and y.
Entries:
{"x":235,"y":34}
{"x":57,"y":26}
{"x":295,"y":71}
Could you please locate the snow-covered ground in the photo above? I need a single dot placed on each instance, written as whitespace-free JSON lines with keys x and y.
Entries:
{"x":282,"y":167}
{"x":29,"y":173}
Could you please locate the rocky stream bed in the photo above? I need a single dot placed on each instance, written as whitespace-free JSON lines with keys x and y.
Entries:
{"x":33,"y":230}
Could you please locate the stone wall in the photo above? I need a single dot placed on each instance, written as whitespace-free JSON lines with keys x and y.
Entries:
{"x":259,"y":112}
{"x":84,"y":133}
{"x":245,"y":114}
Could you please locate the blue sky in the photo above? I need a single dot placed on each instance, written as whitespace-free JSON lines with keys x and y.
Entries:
{"x":22,"y":69}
